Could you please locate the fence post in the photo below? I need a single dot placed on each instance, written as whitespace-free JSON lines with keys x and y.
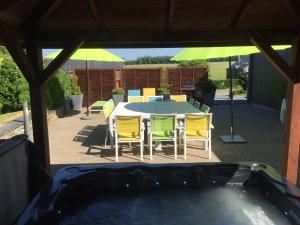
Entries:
{"x":26,"y":120}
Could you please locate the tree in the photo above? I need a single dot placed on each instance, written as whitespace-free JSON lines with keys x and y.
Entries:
{"x":193,"y":63}
{"x":58,"y":89}
{"x":13,"y":85}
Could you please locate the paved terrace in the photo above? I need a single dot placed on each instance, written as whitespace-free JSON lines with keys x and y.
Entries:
{"x":77,"y":141}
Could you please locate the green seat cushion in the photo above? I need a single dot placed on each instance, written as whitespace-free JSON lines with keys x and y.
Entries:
{"x":98,"y":105}
{"x":162,"y":135}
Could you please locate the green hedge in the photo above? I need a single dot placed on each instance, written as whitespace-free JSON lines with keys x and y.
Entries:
{"x":13,"y":85}
{"x":14,"y":89}
{"x":58,"y":90}
{"x":224,"y":84}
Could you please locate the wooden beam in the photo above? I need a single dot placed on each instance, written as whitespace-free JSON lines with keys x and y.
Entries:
{"x":123,"y":39}
{"x":17,"y":52}
{"x":294,"y":7}
{"x":39,"y":123}
{"x":239,"y":14}
{"x":4,"y":5}
{"x":170,"y":13}
{"x":63,"y":56}
{"x":40,"y":13}
{"x":273,"y":57}
{"x":292,"y":123}
{"x":96,"y":16}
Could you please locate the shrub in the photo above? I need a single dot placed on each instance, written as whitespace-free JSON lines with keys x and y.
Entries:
{"x":243,"y":80}
{"x":13,"y":85}
{"x":58,"y":89}
{"x":193,"y":63}
{"x":239,"y":92}
{"x":164,"y":88}
{"x":118,"y":91}
{"x":75,"y":89}
{"x":209,"y":87}
{"x":224,"y":84}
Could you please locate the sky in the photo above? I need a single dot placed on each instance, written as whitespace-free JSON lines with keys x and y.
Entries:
{"x":133,"y":53}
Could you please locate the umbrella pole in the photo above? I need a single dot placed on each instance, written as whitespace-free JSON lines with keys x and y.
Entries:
{"x":232,"y":138}
{"x":231,"y":98}
{"x":87,"y":88}
{"x":88,"y":116}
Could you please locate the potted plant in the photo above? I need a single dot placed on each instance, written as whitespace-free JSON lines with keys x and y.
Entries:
{"x":164,"y":90}
{"x":118,"y":95}
{"x":76,"y":95}
{"x":209,"y":92}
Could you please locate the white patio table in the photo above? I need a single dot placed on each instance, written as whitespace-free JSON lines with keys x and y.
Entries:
{"x":145,"y":109}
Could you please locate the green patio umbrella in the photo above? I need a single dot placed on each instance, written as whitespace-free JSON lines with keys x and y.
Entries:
{"x":222,"y":52}
{"x":92,"y":54}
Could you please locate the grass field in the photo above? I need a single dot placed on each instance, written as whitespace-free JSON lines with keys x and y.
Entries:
{"x":9,"y":116}
{"x":217,"y":70}
{"x":151,"y":65}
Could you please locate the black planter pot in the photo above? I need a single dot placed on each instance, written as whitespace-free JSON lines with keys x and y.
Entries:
{"x":117,"y":98}
{"x":166,"y":98}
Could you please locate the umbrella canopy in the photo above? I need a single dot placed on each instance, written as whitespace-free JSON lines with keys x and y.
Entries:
{"x":91,"y":55}
{"x":222,"y":52}
{"x":218,"y":52}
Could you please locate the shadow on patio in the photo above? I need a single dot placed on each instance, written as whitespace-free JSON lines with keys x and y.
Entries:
{"x":75,"y":141}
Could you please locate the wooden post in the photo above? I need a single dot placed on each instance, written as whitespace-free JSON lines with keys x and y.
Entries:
{"x":101,"y":84}
{"x":292,"y":134}
{"x":134,"y":78}
{"x":290,"y":161}
{"x":180,"y":80}
{"x":38,"y":108}
{"x":31,"y":65}
{"x":167,"y":75}
{"x":26,"y":121}
{"x":292,"y":121}
{"x":115,"y":80}
{"x":147,"y":78}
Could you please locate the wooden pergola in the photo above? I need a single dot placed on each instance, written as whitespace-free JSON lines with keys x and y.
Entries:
{"x":27,"y":26}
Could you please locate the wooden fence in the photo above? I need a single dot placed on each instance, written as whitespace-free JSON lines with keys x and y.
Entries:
{"x":101,"y":82}
{"x":183,"y":80}
{"x":139,"y":78}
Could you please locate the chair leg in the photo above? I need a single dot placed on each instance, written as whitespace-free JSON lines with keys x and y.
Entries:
{"x":116,"y":146}
{"x":150,"y":147}
{"x":179,"y":139}
{"x":175,"y":148}
{"x":111,"y":140}
{"x":106,"y":136}
{"x":142,"y":150}
{"x":184,"y":148}
{"x":209,"y":149}
{"x":206,"y":145}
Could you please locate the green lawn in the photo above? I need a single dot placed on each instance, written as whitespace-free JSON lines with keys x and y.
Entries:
{"x":9,"y":116}
{"x":151,"y":65}
{"x":217,"y":70}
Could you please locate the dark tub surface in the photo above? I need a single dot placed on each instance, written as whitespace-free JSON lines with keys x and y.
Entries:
{"x":173,"y":194}
{"x":232,"y":205}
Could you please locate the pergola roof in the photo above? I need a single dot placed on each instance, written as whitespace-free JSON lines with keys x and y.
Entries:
{"x":73,"y":24}
{"x":152,"y":23}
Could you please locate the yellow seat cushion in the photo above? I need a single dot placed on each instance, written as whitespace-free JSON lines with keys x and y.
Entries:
{"x":199,"y":134}
{"x":129,"y":136}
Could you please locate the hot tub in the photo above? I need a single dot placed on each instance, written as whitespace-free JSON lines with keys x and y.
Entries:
{"x":208,"y":194}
